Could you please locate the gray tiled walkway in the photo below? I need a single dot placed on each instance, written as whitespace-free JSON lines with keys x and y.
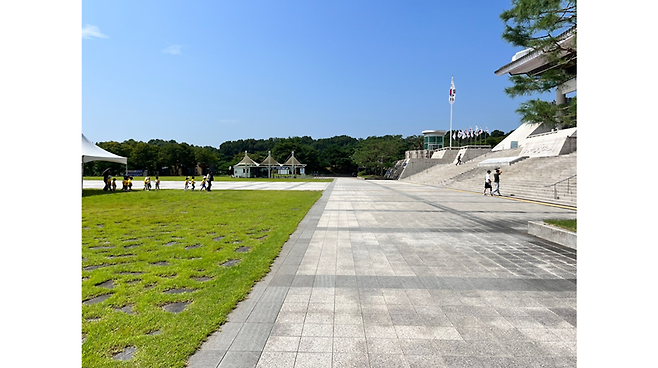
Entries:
{"x":392,"y":274}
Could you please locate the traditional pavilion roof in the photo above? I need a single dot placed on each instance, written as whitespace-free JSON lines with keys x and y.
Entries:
{"x":531,"y":61}
{"x":270,"y":161}
{"x":246,"y":161}
{"x":293,"y":161}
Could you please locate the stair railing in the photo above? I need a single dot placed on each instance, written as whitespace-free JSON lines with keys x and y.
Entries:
{"x":554,"y":185}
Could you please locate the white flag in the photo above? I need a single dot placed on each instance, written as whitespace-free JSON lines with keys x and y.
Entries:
{"x":452,"y":90}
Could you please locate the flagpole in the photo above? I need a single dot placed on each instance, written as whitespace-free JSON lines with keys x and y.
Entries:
{"x":451,"y":126}
{"x":452,"y":100}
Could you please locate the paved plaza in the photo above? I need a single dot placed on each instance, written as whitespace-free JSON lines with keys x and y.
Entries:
{"x":393,"y":274}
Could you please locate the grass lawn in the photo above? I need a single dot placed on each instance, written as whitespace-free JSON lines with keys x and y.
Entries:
{"x":565,"y":224}
{"x":147,"y":253}
{"x":217,"y":178}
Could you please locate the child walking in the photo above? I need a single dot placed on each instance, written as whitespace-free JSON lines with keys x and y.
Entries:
{"x":192,"y":182}
{"x":187,"y":182}
{"x":157,"y":183}
{"x":203,"y":184}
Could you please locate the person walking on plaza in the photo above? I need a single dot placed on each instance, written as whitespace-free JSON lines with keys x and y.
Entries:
{"x":192,"y":183}
{"x":487,"y":183}
{"x":187,"y":182}
{"x":114,"y":184}
{"x":203,"y":183}
{"x":157,"y":183}
{"x":106,"y":179}
{"x":459,"y":160}
{"x":210,"y":179}
{"x":496,"y":185}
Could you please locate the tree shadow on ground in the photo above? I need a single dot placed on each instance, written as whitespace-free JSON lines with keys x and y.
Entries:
{"x":94,"y":192}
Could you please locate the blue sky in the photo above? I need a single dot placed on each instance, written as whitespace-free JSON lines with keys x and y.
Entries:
{"x":204,"y":72}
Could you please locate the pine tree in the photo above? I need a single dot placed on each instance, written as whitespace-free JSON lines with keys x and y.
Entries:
{"x":542,"y":25}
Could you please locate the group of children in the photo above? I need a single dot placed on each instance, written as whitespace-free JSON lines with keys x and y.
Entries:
{"x":127,"y":183}
{"x":147,"y":183}
{"x":189,"y":183}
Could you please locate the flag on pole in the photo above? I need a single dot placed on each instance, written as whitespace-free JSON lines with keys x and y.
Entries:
{"x":452,"y":90}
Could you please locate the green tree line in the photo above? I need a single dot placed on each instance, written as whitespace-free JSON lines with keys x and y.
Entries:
{"x":339,"y":155}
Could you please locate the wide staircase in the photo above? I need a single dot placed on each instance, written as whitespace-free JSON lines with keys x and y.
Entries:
{"x":544,"y":179}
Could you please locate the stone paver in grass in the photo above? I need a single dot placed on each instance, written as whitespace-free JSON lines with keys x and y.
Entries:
{"x":231,"y":263}
{"x":119,"y":256}
{"x":102,"y":247}
{"x":126,"y":354}
{"x":175,"y":307}
{"x":193,"y":246}
{"x":109,"y":284}
{"x":94,"y":267}
{"x":179,"y":291}
{"x":126,"y":309}
{"x":97,"y":299}
{"x":243,"y":249}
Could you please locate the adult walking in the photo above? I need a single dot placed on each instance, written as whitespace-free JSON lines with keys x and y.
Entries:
{"x":487,"y":183}
{"x":496,"y":184}
{"x":209,"y":179}
{"x":106,"y":179}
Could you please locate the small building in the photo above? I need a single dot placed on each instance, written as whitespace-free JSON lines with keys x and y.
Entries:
{"x":433,"y":139}
{"x":246,"y":168}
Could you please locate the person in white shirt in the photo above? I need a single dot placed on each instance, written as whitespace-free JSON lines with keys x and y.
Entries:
{"x":487,"y":183}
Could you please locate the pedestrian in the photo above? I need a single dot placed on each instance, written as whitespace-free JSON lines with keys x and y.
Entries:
{"x":147,"y":184}
{"x":114,"y":184}
{"x":459,"y":159}
{"x":496,"y":185}
{"x":203,"y":183}
{"x":487,"y":183}
{"x":187,"y":182}
{"x":124,"y":184}
{"x":192,"y":183}
{"x":210,"y":179}
{"x":130,"y":183}
{"x":106,"y":179}
{"x":157,"y":183}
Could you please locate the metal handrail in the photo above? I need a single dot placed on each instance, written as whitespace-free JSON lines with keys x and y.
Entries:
{"x":554,"y":185}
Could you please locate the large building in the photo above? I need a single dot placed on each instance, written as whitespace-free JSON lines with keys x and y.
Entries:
{"x":433,"y":139}
{"x":534,"y":62}
{"x":538,"y":139}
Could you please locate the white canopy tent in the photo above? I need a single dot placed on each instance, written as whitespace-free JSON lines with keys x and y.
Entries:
{"x":91,"y":152}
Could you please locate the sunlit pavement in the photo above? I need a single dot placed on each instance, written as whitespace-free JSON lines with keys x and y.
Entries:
{"x":393,"y":274}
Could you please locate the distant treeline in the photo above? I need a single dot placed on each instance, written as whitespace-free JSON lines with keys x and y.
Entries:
{"x":339,"y":155}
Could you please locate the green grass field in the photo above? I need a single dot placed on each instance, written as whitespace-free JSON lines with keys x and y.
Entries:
{"x":143,"y":251}
{"x":217,"y":178}
{"x":570,"y":225}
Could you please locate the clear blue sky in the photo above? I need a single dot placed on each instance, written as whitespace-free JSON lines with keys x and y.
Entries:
{"x":204,"y":72}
